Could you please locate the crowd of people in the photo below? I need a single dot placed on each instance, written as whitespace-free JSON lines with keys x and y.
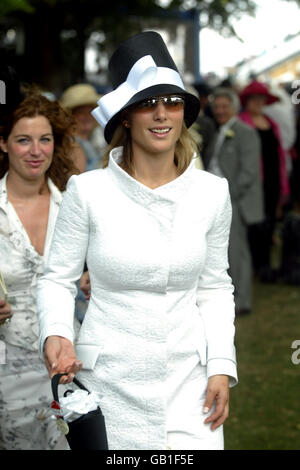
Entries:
{"x":251,"y":137}
{"x":154,"y":256}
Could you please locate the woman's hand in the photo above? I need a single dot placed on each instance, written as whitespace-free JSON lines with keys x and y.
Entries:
{"x":60,"y":358}
{"x":5,"y":311}
{"x":85,"y":285}
{"x":218,"y":392}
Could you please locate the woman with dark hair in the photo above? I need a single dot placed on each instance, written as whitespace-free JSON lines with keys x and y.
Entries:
{"x":36,"y":143}
{"x":157,"y":339}
{"x":275,"y":181}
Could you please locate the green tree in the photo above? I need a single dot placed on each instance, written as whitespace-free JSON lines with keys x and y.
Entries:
{"x":56,"y":31}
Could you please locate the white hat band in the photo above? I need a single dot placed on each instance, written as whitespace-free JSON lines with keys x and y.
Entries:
{"x":143,"y":74}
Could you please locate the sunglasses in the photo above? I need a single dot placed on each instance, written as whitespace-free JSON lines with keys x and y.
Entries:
{"x":170,"y":102}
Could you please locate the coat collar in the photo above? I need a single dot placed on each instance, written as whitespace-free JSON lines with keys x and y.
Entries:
{"x":16,"y":236}
{"x":161,"y":199}
{"x":230,"y":123}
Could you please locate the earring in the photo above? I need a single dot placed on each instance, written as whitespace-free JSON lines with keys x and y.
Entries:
{"x":126,"y":124}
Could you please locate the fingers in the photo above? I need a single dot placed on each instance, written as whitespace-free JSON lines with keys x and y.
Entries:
{"x":5,"y":311}
{"x":87,"y":294}
{"x":60,"y":358}
{"x":85,"y":285}
{"x":87,"y":291}
{"x":219,"y":416}
{"x":217,"y":396}
{"x":85,"y":282}
{"x":69,"y":375}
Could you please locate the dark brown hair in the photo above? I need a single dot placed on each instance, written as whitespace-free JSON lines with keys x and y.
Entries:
{"x":63,"y":127}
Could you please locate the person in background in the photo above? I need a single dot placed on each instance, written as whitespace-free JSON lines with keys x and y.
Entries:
{"x":157,"y":341}
{"x":204,"y":91}
{"x":273,"y":172}
{"x":282,"y":112}
{"x":295,"y":183}
{"x":205,"y":124}
{"x":235,"y":155}
{"x":36,"y":144}
{"x":289,"y":271}
{"x":81,"y":99}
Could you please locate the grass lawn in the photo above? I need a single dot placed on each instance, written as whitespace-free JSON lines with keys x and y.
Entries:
{"x":265,"y":405}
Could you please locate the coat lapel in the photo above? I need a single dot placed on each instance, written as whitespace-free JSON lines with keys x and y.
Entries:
{"x":12,"y":227}
{"x":162,"y":200}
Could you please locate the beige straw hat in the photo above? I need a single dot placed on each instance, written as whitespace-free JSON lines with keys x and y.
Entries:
{"x":80,"y":94}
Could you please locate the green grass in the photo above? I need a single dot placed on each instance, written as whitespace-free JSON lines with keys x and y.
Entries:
{"x":265,"y":405}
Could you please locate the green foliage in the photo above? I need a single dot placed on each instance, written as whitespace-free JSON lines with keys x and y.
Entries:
{"x":265,"y":411}
{"x":56,"y":31}
{"x":215,"y":13}
{"x":10,"y":6}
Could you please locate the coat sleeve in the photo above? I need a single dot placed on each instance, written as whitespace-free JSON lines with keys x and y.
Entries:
{"x":215,"y":293}
{"x":56,"y":289}
{"x":249,"y":180}
{"x":249,"y":150}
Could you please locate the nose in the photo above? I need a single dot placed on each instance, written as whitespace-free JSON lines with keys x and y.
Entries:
{"x":35,"y":148}
{"x":160,"y":112}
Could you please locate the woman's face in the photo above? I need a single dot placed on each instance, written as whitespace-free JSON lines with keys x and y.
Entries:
{"x":155,"y":125}
{"x":30,"y":147}
{"x":84,"y":120}
{"x":255,"y":104}
{"x":223,"y":109}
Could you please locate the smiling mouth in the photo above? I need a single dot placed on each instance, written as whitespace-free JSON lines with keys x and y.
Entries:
{"x":34,"y":163}
{"x":160,"y":131}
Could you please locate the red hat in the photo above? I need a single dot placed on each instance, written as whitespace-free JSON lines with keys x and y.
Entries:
{"x":257,"y":88}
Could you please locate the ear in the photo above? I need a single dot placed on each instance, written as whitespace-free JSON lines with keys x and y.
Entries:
{"x":3,"y":145}
{"x":125,"y":119}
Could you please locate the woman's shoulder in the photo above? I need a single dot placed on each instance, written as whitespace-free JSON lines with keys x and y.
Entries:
{"x":211,"y":189}
{"x":87,"y":185}
{"x":89,"y":178}
{"x":208,"y":181}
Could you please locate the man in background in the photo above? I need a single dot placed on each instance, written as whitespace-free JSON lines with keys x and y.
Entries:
{"x":234,"y":154}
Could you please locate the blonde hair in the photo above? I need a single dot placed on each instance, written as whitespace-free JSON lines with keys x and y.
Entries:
{"x":185,"y":149}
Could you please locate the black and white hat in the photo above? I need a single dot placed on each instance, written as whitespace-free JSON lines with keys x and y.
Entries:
{"x":141,"y":68}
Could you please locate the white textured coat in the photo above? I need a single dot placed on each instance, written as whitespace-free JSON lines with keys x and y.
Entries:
{"x":162,"y":301}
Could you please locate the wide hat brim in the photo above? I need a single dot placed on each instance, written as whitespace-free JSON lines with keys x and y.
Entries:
{"x":257,"y":88}
{"x":139,"y":69}
{"x":81,"y":101}
{"x":81,"y":94}
{"x":191,"y":106}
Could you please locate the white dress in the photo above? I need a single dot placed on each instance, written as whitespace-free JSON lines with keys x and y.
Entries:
{"x":161,"y":316}
{"x":25,"y":393}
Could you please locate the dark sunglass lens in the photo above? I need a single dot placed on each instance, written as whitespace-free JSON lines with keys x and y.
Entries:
{"x":168,"y":101}
{"x":147,"y":104}
{"x":174,"y":101}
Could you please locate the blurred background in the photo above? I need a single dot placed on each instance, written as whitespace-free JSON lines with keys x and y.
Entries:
{"x":58,"y":43}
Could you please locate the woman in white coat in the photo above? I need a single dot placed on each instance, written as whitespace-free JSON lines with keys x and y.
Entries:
{"x":157,"y":340}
